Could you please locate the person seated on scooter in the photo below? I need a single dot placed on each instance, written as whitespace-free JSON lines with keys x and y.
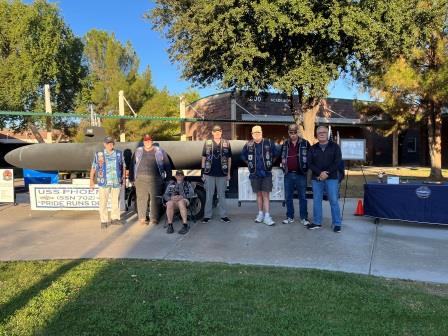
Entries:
{"x":177,"y":195}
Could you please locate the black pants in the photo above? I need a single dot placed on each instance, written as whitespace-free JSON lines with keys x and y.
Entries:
{"x":148,"y":187}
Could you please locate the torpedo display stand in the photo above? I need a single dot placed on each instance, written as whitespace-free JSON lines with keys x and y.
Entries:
{"x":245,"y":193}
{"x":7,"y":193}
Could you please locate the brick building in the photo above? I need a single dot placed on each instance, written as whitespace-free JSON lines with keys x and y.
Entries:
{"x":272,"y":112}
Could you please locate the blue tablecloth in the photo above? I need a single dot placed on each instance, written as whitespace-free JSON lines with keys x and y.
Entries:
{"x":425,"y":203}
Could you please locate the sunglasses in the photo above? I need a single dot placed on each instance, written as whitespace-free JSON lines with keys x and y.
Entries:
{"x":292,"y":132}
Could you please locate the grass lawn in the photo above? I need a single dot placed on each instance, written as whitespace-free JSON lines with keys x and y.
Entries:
{"x":134,"y":297}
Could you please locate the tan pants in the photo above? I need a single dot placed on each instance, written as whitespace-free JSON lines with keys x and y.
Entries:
{"x":104,"y":193}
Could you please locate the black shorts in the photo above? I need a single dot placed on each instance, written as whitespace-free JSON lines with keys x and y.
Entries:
{"x":261,"y":184}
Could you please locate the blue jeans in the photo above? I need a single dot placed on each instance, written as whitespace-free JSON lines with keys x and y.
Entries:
{"x":332,"y":187}
{"x":293,"y":181}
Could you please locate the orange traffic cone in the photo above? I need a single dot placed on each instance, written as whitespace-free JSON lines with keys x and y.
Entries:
{"x":359,"y":209}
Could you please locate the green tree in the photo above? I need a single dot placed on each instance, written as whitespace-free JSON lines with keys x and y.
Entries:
{"x":113,"y":67}
{"x":162,"y":104}
{"x":36,"y":48}
{"x":411,"y":81}
{"x":292,"y":46}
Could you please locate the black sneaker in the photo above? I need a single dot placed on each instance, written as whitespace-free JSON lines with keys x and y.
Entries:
{"x":170,"y":228}
{"x":337,"y":229}
{"x":184,"y":229}
{"x":117,"y":222}
{"x":225,"y":219}
{"x":205,"y":220}
{"x":312,"y":226}
{"x":104,"y":225}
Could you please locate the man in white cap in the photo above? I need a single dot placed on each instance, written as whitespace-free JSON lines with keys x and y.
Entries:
{"x":259,"y":154}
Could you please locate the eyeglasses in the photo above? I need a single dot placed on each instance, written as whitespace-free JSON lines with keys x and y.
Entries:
{"x":292,"y":132}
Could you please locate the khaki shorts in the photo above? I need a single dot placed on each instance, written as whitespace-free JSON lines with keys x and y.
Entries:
{"x":176,"y":203}
{"x":261,"y":184}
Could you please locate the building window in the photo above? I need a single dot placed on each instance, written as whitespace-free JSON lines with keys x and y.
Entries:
{"x":412,"y":145}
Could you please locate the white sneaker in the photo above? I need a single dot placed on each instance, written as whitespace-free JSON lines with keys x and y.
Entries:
{"x":305,"y":222}
{"x":288,"y":221}
{"x":259,"y":218}
{"x":268,"y":221}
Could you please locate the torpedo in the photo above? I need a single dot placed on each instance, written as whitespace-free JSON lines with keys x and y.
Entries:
{"x":78,"y":156}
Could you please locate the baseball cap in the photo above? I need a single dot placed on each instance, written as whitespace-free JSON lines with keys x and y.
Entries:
{"x":256,"y":129}
{"x":180,"y":172}
{"x":293,"y":127}
{"x":147,"y":137}
{"x":216,"y":128}
{"x":109,"y":139}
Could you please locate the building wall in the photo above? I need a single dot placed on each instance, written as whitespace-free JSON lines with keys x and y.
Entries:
{"x":216,"y":107}
{"x":378,"y":147}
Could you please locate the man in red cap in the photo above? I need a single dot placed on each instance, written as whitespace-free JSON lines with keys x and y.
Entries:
{"x":150,"y":166}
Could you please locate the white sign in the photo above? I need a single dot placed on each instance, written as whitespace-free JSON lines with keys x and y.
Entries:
{"x":6,"y":186}
{"x":353,"y":149}
{"x":63,"y":197}
{"x":245,"y":192}
{"x":393,"y":180}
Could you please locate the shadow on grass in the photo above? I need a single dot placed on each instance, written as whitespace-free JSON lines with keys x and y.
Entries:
{"x":177,"y":298}
{"x":18,"y":302}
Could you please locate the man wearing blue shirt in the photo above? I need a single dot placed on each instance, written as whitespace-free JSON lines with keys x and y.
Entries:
{"x":108,"y":167}
{"x":259,"y":154}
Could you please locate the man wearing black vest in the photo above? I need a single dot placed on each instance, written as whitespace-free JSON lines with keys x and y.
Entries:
{"x":216,"y":165}
{"x":259,"y":154}
{"x":295,"y":165}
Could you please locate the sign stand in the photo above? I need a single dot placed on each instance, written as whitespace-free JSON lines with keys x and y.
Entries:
{"x":352,"y":150}
{"x":7,"y":192}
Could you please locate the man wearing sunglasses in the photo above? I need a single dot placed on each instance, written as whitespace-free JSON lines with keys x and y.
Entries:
{"x":295,"y":166}
{"x":216,"y":167}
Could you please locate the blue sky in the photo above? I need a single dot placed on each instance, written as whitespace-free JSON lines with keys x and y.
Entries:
{"x":125,"y":20}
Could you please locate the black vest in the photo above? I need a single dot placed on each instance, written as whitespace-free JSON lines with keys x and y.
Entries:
{"x":266,"y":147}
{"x":224,"y":150}
{"x":302,"y":155}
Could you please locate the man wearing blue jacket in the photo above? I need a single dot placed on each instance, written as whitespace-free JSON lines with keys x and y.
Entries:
{"x":150,"y":166}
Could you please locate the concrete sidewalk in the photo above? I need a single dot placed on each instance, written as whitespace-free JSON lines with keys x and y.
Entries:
{"x":390,"y":249}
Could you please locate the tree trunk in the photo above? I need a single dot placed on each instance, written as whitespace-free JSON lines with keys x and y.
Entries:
{"x":304,"y":115}
{"x":309,"y":121}
{"x":435,"y":142}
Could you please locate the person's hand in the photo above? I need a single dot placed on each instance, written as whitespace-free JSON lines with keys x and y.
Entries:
{"x":323,"y":175}
{"x":228,"y":177}
{"x":92,"y":185}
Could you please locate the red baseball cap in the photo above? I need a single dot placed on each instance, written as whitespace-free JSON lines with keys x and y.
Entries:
{"x":147,"y":137}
